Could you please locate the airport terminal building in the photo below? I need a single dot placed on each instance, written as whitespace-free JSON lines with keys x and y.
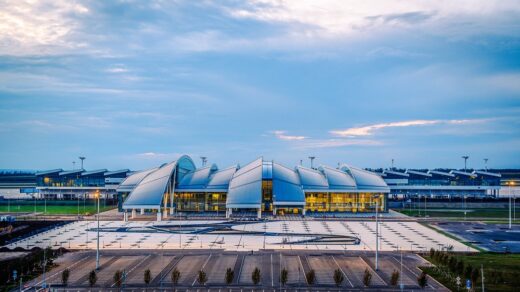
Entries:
{"x":259,"y":186}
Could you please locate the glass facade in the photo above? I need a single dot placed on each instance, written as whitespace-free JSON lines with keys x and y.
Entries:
{"x":345,"y":202}
{"x":267,"y":195}
{"x":200,"y":202}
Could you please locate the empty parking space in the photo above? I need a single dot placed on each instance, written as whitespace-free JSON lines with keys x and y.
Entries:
{"x":293,"y":266}
{"x":216,"y":268}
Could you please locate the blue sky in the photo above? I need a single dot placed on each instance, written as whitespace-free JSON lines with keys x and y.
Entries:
{"x":131,"y":84}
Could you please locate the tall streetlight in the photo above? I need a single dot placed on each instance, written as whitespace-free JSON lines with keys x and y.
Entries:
{"x":204,"y":160}
{"x":377,"y":230}
{"x":465,"y":157}
{"x":485,"y":163}
{"x":97,"y":248}
{"x":73,"y":165}
{"x":312,"y":161}
{"x":511,"y":184}
{"x":82,"y":158}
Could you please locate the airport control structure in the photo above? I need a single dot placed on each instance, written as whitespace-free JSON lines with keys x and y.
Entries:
{"x":259,"y":186}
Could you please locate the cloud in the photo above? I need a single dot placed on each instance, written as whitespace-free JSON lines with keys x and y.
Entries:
{"x":338,"y":17}
{"x":39,"y":27}
{"x":118,"y":69}
{"x":282,"y":135}
{"x":370,"y":129}
{"x":337,"y":143}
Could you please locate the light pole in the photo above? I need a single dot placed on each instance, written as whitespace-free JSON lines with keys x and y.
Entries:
{"x":312,"y":161}
{"x":465,"y":157}
{"x":82,"y":158}
{"x":377,"y":230}
{"x":511,"y":184}
{"x":97,"y":247}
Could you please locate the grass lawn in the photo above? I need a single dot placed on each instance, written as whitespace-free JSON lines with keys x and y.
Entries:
{"x":508,"y":265}
{"x":54,"y":207}
{"x":496,"y":213}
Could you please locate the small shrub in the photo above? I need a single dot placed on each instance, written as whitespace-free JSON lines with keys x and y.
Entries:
{"x":395,"y":278}
{"x":118,"y":278}
{"x":65,"y":277}
{"x":311,"y":277}
{"x":422,"y":280}
{"x":230,"y":274}
{"x":92,"y":278}
{"x":338,"y":277}
{"x":175,"y":276}
{"x":367,"y":278}
{"x":284,"y":276}
{"x":202,"y":278}
{"x":256,"y":276}
{"x":147,"y":276}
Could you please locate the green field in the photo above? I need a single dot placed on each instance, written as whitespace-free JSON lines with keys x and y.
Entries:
{"x":501,"y":271}
{"x":54,"y":207}
{"x":495,"y":213}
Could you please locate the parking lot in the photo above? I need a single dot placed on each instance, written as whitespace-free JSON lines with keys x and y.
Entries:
{"x":214,"y":263}
{"x":492,"y":237}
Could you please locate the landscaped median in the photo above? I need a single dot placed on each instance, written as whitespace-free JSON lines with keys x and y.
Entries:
{"x":501,"y":271}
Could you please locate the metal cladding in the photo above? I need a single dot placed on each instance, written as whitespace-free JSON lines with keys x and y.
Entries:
{"x":245,"y":185}
{"x":245,"y":188}
{"x":150,"y":190}
{"x":287,"y":189}
{"x":366,"y":181}
{"x":133,"y":180}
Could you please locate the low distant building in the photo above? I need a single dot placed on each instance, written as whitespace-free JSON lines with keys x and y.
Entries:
{"x":442,"y":183}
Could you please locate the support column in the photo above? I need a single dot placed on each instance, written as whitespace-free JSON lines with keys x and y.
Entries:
{"x":171,"y":211}
{"x":134,"y":213}
{"x":229,"y":211}
{"x":125,"y":216}
{"x":303,"y":211}
{"x":274,"y":211}
{"x":159,"y":217}
{"x":142,"y":211}
{"x":165,"y":213}
{"x":259,"y":213}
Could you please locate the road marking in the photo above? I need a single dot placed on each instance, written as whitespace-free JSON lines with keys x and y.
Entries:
{"x":343,"y":272}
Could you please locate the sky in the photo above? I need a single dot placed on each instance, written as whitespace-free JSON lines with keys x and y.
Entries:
{"x":133,"y":84}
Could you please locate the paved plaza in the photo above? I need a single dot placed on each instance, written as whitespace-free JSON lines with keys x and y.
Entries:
{"x":235,"y":236}
{"x":352,"y":264}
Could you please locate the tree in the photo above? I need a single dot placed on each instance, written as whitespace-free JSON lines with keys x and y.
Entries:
{"x":311,"y":277}
{"x":474,"y":276}
{"x":230,"y":274}
{"x":65,"y":276}
{"x":202,"y":278}
{"x":367,"y":278}
{"x":422,"y":280}
{"x":118,"y":278}
{"x":147,"y":276}
{"x":432,"y":252}
{"x":92,"y":278}
{"x":256,"y":276}
{"x":452,"y":264}
{"x":284,"y":276}
{"x":338,"y":277}
{"x":175,"y":276}
{"x":460,"y":267}
{"x":395,"y":278}
{"x":467,"y":271}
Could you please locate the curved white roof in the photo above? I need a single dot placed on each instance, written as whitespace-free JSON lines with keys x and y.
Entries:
{"x":287,"y":189}
{"x":131,"y":181}
{"x":197,"y":179}
{"x":220,"y":179}
{"x":150,"y":190}
{"x":311,"y":179}
{"x":245,"y":188}
{"x":366,"y":180}
{"x":337,"y":179}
